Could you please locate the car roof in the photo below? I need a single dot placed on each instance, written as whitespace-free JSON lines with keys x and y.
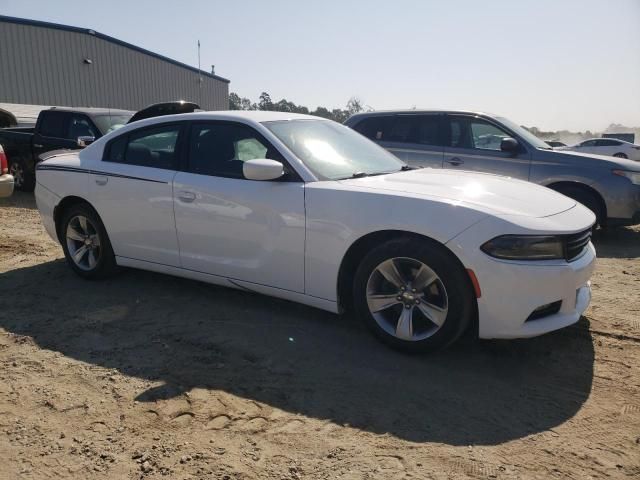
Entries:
{"x":91,"y":110}
{"x":419,"y":111}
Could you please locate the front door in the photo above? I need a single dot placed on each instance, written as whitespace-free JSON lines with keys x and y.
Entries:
{"x":473,"y":143}
{"x":235,"y":228}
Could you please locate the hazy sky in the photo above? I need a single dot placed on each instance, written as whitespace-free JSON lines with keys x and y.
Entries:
{"x":554,"y":64}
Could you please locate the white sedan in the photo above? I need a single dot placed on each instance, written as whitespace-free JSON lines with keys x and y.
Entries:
{"x":308,"y":210}
{"x":607,"y":146}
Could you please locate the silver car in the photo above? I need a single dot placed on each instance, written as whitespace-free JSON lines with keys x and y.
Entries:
{"x":609,"y":186}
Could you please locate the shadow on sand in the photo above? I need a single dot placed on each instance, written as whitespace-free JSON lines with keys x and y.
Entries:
{"x":188,"y":334}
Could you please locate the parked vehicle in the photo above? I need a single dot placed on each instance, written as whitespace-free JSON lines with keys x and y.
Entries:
{"x":6,"y":180}
{"x":610,"y":187}
{"x":167,"y":108}
{"x":555,"y":143}
{"x":305,"y":209}
{"x":56,"y":128}
{"x":607,"y":146}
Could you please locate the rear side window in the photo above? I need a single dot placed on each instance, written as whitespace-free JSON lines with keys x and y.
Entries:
{"x":150,"y":147}
{"x":607,"y":143}
{"x":373,"y":127}
{"x":53,"y":124}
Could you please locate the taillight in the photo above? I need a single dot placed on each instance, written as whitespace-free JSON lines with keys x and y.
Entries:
{"x":4,"y":165}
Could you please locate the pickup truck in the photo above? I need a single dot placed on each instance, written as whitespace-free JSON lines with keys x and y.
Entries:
{"x":56,"y":128}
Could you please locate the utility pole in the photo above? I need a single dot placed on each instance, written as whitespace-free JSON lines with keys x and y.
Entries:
{"x":199,"y":78}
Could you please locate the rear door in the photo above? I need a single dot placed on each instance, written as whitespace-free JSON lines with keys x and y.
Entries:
{"x":132,"y":190}
{"x":473,"y":143}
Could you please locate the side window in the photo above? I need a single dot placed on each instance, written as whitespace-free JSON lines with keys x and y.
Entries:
{"x":466,"y":132}
{"x":607,"y":143}
{"x":428,"y":130}
{"x":220,"y":149}
{"x":53,"y":124}
{"x":149,"y":147}
{"x":486,"y":136}
{"x":589,"y":143}
{"x":401,"y":129}
{"x":80,"y":126}
{"x":373,"y":127}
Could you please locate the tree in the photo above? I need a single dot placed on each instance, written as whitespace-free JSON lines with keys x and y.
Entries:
{"x":265,"y":102}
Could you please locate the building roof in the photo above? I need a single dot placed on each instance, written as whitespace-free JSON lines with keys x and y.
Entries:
{"x":102,"y":36}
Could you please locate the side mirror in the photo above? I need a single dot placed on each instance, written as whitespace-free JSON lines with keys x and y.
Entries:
{"x":262,"y":169}
{"x":85,"y":141}
{"x":509,"y":144}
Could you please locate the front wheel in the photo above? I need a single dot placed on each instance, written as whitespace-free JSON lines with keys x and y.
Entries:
{"x":413,"y":294}
{"x":85,"y":243}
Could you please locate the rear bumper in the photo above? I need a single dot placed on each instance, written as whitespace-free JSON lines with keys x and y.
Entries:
{"x":6,"y":185}
{"x":46,"y":202}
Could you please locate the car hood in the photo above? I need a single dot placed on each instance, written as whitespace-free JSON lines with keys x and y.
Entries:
{"x":489,"y":193}
{"x":562,"y":155}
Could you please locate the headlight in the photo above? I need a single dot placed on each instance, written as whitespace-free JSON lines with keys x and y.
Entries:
{"x":633,"y":176}
{"x":525,"y":247}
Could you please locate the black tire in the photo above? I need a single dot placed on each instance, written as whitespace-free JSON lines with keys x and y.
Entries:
{"x":24,"y":179}
{"x":453,"y":277}
{"x":620,"y":155}
{"x":586,"y":198}
{"x":105,"y":262}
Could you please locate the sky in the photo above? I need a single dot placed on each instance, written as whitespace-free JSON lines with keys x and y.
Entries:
{"x":554,"y":64}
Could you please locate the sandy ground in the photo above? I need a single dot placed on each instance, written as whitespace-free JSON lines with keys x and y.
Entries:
{"x":148,"y":376}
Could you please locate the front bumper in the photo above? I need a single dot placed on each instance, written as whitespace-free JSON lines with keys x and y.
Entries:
{"x":512,"y":290}
{"x":6,"y":185}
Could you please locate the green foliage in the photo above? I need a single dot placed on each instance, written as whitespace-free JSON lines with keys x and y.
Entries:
{"x":354,"y":105}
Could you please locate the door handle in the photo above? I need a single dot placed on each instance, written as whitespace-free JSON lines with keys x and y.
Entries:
{"x":455,"y":161}
{"x":186,"y":197}
{"x":37,"y":145}
{"x":101,"y":180}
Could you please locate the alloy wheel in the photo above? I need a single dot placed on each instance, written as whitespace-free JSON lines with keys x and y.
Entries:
{"x":83,"y":242}
{"x":407,"y":299}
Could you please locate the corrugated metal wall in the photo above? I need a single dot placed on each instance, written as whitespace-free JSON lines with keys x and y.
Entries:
{"x":45,"y":66}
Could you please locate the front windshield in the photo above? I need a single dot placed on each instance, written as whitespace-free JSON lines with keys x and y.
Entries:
{"x":109,"y":123}
{"x":333,"y":151}
{"x":528,"y":136}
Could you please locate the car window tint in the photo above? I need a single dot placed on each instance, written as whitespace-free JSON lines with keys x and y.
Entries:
{"x":53,"y":124}
{"x":373,"y":127}
{"x":149,"y":147}
{"x":427,"y":130}
{"x":80,"y":126}
{"x":459,"y":133}
{"x":607,"y":143}
{"x":401,"y":129}
{"x":220,"y":149}
{"x":589,"y":143}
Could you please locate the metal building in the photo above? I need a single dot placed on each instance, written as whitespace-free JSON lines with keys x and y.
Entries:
{"x":45,"y":63}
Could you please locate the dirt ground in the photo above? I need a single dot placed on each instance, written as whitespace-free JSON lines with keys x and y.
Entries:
{"x":149,"y":376}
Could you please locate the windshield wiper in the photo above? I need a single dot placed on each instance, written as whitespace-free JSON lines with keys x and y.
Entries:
{"x":359,"y":175}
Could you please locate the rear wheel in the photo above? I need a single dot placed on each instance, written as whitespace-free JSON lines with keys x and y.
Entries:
{"x":620,"y":155}
{"x":413,"y":295}
{"x":86,"y":244}
{"x":24,"y":179}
